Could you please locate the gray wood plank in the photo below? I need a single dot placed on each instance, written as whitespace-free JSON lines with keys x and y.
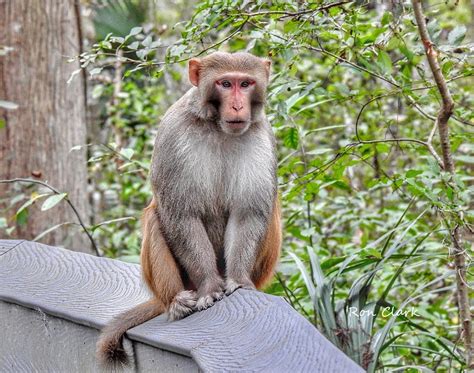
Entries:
{"x":76,"y":286}
{"x":36,"y":342}
{"x":248,"y":331}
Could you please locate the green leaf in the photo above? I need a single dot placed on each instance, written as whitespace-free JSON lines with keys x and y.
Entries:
{"x":292,"y":101}
{"x":30,"y":202}
{"x":142,"y":53}
{"x":117,"y":39}
{"x":53,"y":201}
{"x":406,"y":52}
{"x":291,"y":139}
{"x":49,"y":230}
{"x":22,"y":217}
{"x":147,"y":41}
{"x":319,"y":151}
{"x":465,"y":158}
{"x":308,"y":232}
{"x":374,"y":253}
{"x":95,"y":71}
{"x":385,"y":62}
{"x":413,"y":173}
{"x":313,"y":105}
{"x":94,"y":227}
{"x":456,"y":36}
{"x":306,"y":277}
{"x":386,"y":18}
{"x":134,"y":45}
{"x":447,"y":66}
{"x":135,"y":31}
{"x":331,"y":262}
{"x":127,"y":153}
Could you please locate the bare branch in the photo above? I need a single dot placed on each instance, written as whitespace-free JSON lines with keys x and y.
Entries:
{"x":358,"y":67}
{"x":296,"y":14}
{"x":427,"y":144}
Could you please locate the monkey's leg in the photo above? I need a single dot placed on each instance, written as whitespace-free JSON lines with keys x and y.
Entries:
{"x":160,"y":270}
{"x":244,"y":233}
{"x":215,"y":228}
{"x":190,"y":243}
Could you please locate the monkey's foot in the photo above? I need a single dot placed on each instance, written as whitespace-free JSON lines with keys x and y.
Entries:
{"x":232,"y":285}
{"x":183,"y":304}
{"x":208,"y":300}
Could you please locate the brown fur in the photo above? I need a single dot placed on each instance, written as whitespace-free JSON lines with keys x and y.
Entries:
{"x":110,"y":351}
{"x":160,"y":271}
{"x":269,"y":251}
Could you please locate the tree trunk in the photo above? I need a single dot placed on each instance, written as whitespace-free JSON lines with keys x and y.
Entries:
{"x":37,"y":137}
{"x":460,"y":255}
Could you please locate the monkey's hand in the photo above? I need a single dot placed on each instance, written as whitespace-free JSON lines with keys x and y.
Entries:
{"x":232,"y":285}
{"x":209,"y":292}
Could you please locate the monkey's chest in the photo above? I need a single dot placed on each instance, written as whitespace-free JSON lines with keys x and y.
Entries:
{"x":222,"y":179}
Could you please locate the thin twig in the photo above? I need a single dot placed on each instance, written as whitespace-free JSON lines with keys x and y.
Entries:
{"x":428,"y":144}
{"x":55,"y":191}
{"x":358,"y":67}
{"x":204,"y":50}
{"x":289,"y":293}
{"x":463,"y":121}
{"x":296,"y":14}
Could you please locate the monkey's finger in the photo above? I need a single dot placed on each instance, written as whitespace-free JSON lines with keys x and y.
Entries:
{"x":233,"y":285}
{"x":208,"y":300}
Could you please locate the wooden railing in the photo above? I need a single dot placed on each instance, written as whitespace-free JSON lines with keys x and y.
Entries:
{"x":54,"y":301}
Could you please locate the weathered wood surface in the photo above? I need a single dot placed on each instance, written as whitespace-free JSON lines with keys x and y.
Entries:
{"x":248,"y":331}
{"x":33,"y":341}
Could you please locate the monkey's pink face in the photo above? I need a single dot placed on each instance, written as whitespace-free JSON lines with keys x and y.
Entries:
{"x":235,"y":92}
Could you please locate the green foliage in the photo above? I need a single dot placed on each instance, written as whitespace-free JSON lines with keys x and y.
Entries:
{"x":117,"y":16}
{"x":370,"y":215}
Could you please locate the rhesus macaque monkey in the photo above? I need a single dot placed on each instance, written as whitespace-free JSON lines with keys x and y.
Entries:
{"x":213,"y":225}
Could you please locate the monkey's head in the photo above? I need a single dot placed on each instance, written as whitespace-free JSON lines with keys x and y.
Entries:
{"x":232,"y":87}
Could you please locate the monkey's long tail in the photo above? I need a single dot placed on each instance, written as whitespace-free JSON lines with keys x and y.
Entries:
{"x":110,"y":351}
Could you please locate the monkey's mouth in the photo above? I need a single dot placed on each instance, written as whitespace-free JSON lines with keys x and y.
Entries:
{"x":236,"y":123}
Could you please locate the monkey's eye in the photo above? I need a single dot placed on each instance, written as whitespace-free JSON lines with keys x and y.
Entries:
{"x":245,"y":84}
{"x":226,"y":84}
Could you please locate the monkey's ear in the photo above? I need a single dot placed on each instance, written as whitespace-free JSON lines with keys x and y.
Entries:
{"x":194,"y":66}
{"x":268,"y":66}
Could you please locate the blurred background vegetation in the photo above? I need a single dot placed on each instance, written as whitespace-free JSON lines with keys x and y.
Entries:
{"x":368,"y":219}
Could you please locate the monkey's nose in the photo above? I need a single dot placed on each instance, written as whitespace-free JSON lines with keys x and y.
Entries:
{"x":237,"y":107}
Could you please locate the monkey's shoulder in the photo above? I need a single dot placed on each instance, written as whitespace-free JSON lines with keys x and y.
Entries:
{"x":179,"y":111}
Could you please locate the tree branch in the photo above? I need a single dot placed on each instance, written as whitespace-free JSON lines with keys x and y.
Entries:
{"x":444,"y":114}
{"x":55,"y":191}
{"x":284,"y":13}
{"x":428,"y":143}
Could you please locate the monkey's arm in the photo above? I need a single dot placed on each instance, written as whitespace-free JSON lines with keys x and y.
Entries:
{"x":188,"y":240}
{"x":244,"y":233}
